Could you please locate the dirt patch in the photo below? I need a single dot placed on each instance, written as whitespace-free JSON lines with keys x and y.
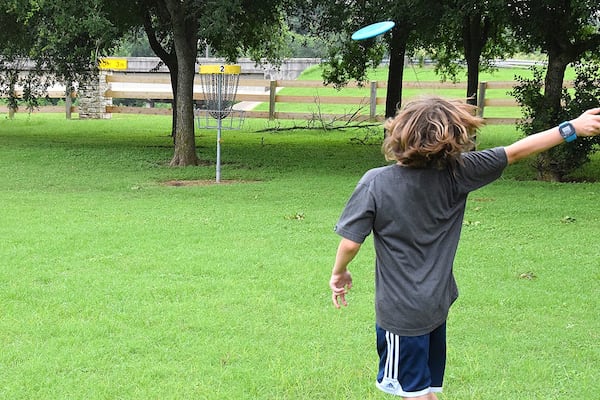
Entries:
{"x":203,"y":182}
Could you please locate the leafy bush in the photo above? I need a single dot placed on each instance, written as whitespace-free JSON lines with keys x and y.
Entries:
{"x":557,"y":163}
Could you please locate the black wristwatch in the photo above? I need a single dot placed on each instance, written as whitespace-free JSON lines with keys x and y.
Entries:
{"x":567,"y":131}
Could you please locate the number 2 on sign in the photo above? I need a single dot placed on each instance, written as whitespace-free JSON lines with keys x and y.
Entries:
{"x":222,"y":68}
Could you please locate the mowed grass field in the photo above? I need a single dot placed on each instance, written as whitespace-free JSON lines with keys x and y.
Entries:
{"x":116,"y":285}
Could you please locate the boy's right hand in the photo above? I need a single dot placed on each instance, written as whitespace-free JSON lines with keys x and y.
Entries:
{"x":340,"y":284}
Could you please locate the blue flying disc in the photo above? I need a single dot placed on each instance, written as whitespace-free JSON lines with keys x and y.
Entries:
{"x":373,"y":30}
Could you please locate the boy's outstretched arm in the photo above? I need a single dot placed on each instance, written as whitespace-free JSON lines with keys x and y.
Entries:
{"x":587,"y":124}
{"x":341,"y":279}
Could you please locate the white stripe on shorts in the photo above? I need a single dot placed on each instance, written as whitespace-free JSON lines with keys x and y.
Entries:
{"x":393,"y":356}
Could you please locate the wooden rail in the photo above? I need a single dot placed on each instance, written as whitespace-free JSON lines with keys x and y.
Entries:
{"x":68,"y":108}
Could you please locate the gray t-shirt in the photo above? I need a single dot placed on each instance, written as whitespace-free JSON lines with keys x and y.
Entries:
{"x":416,"y":217}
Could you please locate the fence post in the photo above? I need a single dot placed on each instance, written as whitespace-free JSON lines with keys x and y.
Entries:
{"x":373,"y":101}
{"x":272,"y":93}
{"x":481,"y":98}
{"x":68,"y":99}
{"x":12,"y":110}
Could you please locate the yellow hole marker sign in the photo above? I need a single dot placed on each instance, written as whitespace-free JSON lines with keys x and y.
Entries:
{"x":220,"y":69}
{"x":118,"y":64}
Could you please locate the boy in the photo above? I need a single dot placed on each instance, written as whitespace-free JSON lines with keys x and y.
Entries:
{"x":415,"y":210}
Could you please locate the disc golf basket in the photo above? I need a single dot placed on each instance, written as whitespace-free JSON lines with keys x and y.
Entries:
{"x":219,"y":84}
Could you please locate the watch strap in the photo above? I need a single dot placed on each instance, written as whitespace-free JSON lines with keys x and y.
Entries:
{"x":567,"y":131}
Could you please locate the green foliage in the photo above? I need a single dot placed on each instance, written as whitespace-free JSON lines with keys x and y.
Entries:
{"x":332,"y":22}
{"x":32,"y":85}
{"x":351,"y":61}
{"x":48,"y":41}
{"x":559,"y":162}
{"x":529,"y":95}
{"x":305,"y":46}
{"x":134,"y":44}
{"x":556,"y":25}
{"x":253,"y":28}
{"x":472,"y":29}
{"x":8,"y":83}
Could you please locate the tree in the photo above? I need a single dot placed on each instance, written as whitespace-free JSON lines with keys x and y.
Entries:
{"x":61,"y":37}
{"x":177,"y":28}
{"x":67,"y":37}
{"x":173,"y":35}
{"x":336,"y":20}
{"x":474,"y":31}
{"x":566,"y":31}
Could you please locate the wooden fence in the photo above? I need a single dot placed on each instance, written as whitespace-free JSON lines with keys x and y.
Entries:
{"x":368,"y":105}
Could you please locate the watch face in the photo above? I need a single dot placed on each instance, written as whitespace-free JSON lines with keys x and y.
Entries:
{"x":567,"y":131}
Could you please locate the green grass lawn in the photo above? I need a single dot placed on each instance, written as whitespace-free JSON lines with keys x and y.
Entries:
{"x":116,"y":286}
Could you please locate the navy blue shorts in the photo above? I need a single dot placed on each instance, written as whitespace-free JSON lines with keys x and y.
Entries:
{"x":411,"y":366}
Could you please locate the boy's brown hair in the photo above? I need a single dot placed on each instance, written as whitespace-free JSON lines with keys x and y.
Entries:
{"x":431,"y":132}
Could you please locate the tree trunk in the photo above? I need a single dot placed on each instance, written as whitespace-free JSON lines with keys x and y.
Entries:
{"x":185,"y":142}
{"x":170,"y":60}
{"x":393,"y":99}
{"x":185,"y":43}
{"x":553,"y":84}
{"x":548,"y":115}
{"x":472,"y":80}
{"x":174,"y":74}
{"x":475,"y":35}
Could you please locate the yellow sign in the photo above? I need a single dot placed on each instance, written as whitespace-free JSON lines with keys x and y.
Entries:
{"x":113,"y":63}
{"x":220,"y":69}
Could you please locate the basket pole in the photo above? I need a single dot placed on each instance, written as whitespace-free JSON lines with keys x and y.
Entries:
{"x":219,"y":125}
{"x":218,"y":72}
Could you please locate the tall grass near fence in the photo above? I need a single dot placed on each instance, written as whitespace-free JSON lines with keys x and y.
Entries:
{"x":114,"y":285}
